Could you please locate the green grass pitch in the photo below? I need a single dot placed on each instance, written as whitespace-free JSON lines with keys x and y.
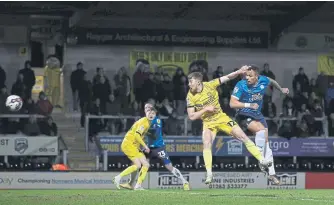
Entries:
{"x":156,"y":197}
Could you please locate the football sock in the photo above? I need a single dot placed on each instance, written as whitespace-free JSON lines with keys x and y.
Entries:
{"x":207,"y":155}
{"x":260,"y":140}
{"x":142,"y":174}
{"x":128,"y":170}
{"x":269,"y":156}
{"x":133,"y":178}
{"x":254,"y":150}
{"x":178,"y":174}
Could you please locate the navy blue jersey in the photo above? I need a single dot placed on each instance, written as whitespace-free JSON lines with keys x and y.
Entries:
{"x":251,"y":94}
{"x":154,"y":134}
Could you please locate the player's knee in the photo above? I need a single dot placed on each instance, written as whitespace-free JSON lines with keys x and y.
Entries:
{"x":137,"y":164}
{"x":239,"y":134}
{"x":207,"y":139}
{"x":146,"y":164}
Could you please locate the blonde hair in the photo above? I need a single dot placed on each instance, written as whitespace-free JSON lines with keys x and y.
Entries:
{"x":196,"y":76}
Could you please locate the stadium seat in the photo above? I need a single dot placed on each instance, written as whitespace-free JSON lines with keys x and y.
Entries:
{"x":253,"y":166}
{"x":14,"y":166}
{"x":27,"y":166}
{"x":228,"y":166}
{"x":124,"y":166}
{"x":215,"y":167}
{"x":189,"y":166}
{"x":303,"y":166}
{"x":2,"y":166}
{"x":201,"y":167}
{"x":177,"y":166}
{"x":153,"y":167}
{"x":112,"y":166}
{"x":240,"y":166}
{"x":317,"y":166}
{"x":278,"y":166}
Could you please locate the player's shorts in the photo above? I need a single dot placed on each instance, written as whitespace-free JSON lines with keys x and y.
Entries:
{"x":223,"y":123}
{"x":131,"y":151}
{"x":159,"y":153}
{"x":245,"y":120}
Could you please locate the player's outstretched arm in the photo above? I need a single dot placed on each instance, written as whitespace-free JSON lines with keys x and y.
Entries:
{"x":141,"y":141}
{"x":233,"y":75}
{"x":236,"y":104}
{"x":278,"y":87}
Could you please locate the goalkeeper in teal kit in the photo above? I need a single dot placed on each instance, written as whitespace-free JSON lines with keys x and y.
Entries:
{"x":157,"y":150}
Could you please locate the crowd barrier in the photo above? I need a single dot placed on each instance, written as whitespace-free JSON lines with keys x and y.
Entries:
{"x":185,"y":120}
{"x":20,"y":145}
{"x":224,"y":147}
{"x":164,"y":180}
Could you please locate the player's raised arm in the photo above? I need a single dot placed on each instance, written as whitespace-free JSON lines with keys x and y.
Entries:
{"x":278,"y":87}
{"x":233,"y":75}
{"x":234,"y":101}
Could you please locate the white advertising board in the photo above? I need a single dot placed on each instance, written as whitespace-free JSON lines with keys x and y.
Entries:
{"x":59,"y":180}
{"x":31,"y":146}
{"x":154,"y":180}
{"x":227,"y":180}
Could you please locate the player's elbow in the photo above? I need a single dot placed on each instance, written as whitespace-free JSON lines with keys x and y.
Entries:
{"x":232,"y":104}
{"x":191,"y":117}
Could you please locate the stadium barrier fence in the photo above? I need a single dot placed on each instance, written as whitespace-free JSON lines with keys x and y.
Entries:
{"x":185,"y":121}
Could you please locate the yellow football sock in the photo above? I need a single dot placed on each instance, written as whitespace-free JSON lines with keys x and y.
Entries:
{"x":142,"y":174}
{"x":128,"y":170}
{"x":254,"y":150}
{"x":207,"y":155}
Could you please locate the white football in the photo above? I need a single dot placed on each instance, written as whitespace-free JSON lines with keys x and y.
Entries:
{"x":14,"y":103}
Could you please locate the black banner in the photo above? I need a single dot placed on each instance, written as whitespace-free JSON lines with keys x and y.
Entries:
{"x":99,"y":36}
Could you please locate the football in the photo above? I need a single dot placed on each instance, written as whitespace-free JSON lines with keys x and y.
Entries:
{"x":14,"y":103}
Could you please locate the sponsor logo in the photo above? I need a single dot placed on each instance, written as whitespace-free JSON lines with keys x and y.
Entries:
{"x":234,"y":147}
{"x":231,"y":180}
{"x":169,"y":181}
{"x":235,"y":90}
{"x":21,"y":145}
{"x":288,"y":181}
{"x":6,"y":181}
{"x":44,"y":149}
{"x":301,"y":42}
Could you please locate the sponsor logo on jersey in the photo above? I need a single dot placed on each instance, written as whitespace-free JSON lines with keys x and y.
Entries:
{"x":235,"y":90}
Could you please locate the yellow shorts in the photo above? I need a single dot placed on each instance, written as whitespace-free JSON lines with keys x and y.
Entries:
{"x":131,"y":151}
{"x":224,"y":123}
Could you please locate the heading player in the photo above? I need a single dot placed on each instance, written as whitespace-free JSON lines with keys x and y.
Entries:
{"x":203,"y":103}
{"x":247,"y":98}
{"x":131,"y":148}
{"x":157,"y":150}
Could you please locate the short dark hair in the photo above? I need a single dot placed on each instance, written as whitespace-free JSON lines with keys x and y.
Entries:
{"x":196,"y":75}
{"x":254,"y":68}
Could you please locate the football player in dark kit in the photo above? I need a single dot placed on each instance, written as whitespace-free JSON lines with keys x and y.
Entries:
{"x":157,"y":150}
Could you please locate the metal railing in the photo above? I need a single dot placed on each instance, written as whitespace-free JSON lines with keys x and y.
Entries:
{"x":186,"y":120}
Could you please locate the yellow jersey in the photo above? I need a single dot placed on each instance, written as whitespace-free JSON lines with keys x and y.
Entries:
{"x":208,"y":96}
{"x":137,"y":132}
{"x":53,"y":76}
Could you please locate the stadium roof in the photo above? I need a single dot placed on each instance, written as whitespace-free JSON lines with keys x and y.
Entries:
{"x":280,"y":15}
